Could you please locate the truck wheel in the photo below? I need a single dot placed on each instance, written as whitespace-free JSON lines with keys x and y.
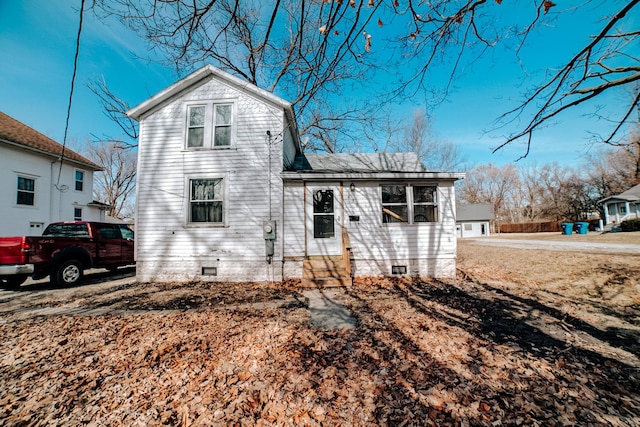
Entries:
{"x":13,"y":282}
{"x":69,"y":273}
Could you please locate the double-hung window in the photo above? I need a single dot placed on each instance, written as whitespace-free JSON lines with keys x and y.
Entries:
{"x":409,"y":204}
{"x":79,"y":180}
{"x":26,"y":191}
{"x":206,"y":200}
{"x":210,"y":125}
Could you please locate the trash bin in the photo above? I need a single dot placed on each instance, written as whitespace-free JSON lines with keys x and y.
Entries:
{"x":582,"y":227}
{"x":567,"y":228}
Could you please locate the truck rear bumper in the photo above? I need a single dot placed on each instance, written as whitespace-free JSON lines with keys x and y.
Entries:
{"x":12,"y":270}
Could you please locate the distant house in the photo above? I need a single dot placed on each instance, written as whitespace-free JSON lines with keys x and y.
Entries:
{"x":473,"y":220}
{"x":37,"y":187}
{"x":225,"y":193}
{"x":623,"y":206}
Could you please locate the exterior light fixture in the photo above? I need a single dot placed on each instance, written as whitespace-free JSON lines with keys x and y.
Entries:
{"x":352,"y":187}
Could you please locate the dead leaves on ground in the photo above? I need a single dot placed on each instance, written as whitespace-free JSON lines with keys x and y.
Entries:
{"x":420,"y":356}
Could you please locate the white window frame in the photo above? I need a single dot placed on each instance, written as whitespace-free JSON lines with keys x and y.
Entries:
{"x":18,"y":190}
{"x":210,"y":124}
{"x":225,"y":200}
{"x":410,"y":203}
{"x":76,"y":181}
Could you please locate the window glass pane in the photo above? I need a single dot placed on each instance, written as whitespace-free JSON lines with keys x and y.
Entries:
{"x":394,"y":194}
{"x":223,"y":114}
{"x":25,"y":184}
{"x":323,"y":226}
{"x":79,"y":175}
{"x":79,"y":180}
{"x":424,"y":194}
{"x":223,"y":136}
{"x":25,"y":198}
{"x":206,"y":212}
{"x":196,"y":115}
{"x":196,"y":137}
{"x":396,"y":213}
{"x":323,"y":201}
{"x":126,"y":232}
{"x":612,"y":209}
{"x":206,"y":189}
{"x":67,"y":230}
{"x":622,"y":208}
{"x":424,"y":213}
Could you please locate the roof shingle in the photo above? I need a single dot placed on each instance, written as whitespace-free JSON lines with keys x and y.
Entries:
{"x":17,"y":133}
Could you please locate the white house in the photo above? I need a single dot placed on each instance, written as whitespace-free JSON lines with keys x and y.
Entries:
{"x":226,"y":194}
{"x":41,"y":182}
{"x":623,"y":206}
{"x":473,"y":220}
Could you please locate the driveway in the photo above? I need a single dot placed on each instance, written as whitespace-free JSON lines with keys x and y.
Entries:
{"x":558,"y":245}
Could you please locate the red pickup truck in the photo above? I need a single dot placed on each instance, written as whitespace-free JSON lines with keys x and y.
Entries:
{"x":64,"y":251}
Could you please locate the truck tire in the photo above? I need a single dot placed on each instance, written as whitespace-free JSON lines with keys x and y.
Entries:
{"x":13,"y":282}
{"x":69,"y":273}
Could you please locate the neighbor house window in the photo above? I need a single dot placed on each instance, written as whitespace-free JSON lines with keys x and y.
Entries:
{"x":206,"y":197}
{"x":77,"y":214}
{"x":26,"y":191}
{"x":210,"y":125}
{"x":79,"y":180}
{"x":409,"y":204}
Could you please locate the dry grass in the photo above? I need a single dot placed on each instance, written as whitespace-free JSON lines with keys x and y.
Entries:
{"x":523,"y":337}
{"x":623,"y":238}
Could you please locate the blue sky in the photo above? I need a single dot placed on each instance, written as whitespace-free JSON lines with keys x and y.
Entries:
{"x":37,"y":38}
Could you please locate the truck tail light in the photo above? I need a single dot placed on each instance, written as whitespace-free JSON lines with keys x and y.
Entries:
{"x":25,"y":246}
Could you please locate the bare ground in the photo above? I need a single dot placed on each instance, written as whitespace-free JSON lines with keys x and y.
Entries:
{"x":521,"y":337}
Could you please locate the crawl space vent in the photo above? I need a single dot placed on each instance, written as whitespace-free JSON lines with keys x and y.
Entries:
{"x":398,"y":269}
{"x":209,"y":271}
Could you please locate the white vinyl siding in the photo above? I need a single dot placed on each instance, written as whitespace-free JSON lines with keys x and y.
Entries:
{"x":168,"y":246}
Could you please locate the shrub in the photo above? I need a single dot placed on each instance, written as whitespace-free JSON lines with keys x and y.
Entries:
{"x":630,"y":225}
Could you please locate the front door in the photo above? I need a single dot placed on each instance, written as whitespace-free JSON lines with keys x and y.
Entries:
{"x":324,"y":219}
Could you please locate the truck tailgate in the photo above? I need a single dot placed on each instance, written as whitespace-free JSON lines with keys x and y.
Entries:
{"x":11,"y":250}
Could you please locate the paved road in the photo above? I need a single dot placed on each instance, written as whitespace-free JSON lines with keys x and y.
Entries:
{"x":555,"y":245}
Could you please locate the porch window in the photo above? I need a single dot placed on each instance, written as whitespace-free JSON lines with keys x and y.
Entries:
{"x":26,"y":191}
{"x":210,"y":125}
{"x":424,"y":204}
{"x":409,"y":204}
{"x":206,"y":197}
{"x":622,"y":208}
{"x":394,"y":204}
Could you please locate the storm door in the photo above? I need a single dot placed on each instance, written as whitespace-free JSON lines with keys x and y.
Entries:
{"x":323,"y":220}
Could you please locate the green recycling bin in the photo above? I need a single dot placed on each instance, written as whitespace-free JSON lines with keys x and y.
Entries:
{"x":567,"y":228}
{"x":582,"y":227}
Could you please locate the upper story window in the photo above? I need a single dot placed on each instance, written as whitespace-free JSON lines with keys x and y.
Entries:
{"x":26,"y":191}
{"x":206,"y":198}
{"x":409,"y":204}
{"x":210,"y":125}
{"x":79,"y":180}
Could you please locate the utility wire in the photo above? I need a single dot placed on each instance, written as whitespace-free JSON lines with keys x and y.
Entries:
{"x":73,"y":81}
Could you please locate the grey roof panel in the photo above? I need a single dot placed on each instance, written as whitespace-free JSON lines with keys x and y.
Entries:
{"x":361,"y":162}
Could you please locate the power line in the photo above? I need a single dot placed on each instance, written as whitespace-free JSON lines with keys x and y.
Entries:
{"x":73,"y":81}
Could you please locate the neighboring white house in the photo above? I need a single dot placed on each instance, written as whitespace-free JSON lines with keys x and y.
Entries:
{"x":473,"y":220}
{"x":35,"y":189}
{"x":623,"y":206}
{"x":226,"y":194}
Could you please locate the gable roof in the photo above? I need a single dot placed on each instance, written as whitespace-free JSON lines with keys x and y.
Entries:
{"x":207,"y":72}
{"x":630,"y":195}
{"x":17,"y":134}
{"x":474,"y":212}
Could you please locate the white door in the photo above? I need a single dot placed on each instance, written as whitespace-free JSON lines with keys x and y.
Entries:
{"x":324,"y":219}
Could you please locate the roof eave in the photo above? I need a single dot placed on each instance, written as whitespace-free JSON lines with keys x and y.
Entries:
{"x":370,"y":176}
{"x":140,"y":110}
{"x":91,"y":166}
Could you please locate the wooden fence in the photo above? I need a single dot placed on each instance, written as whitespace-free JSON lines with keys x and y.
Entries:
{"x":532,"y":227}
